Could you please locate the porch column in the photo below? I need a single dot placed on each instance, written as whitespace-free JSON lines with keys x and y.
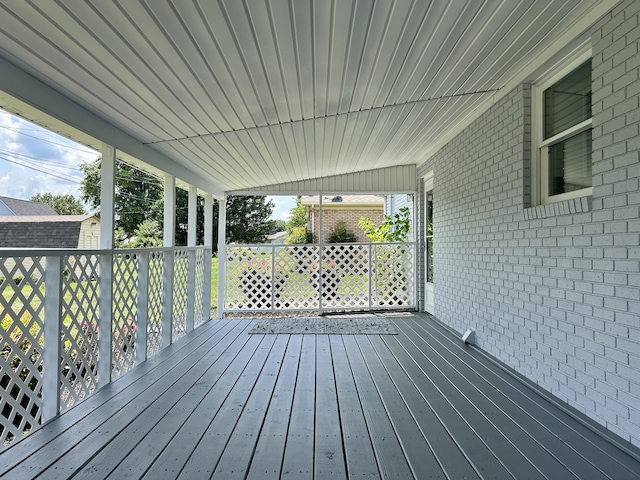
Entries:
{"x":208,"y":243}
{"x":191,"y":267}
{"x":320,"y":252}
{"x":107,"y":221}
{"x":222,"y":253}
{"x":169,"y":240}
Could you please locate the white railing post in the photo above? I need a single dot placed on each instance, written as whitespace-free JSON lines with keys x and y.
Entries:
{"x":105,"y":301}
{"x":222,"y":253}
{"x":208,"y":256}
{"x":191,"y":289}
{"x":142,"y":307}
{"x":105,"y":278}
{"x":191,"y":255}
{"x":52,"y":348}
{"x":370,"y":274}
{"x":169,"y":257}
{"x":320,"y":265}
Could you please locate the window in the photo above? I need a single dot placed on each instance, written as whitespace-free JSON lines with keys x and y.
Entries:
{"x":563,"y":135}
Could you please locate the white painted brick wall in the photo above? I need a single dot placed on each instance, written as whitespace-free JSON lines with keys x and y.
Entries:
{"x":553,"y":291}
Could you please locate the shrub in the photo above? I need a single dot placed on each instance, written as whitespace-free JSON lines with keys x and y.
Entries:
{"x":340,"y":233}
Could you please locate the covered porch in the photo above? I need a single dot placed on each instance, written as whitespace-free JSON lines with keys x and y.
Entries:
{"x":442,"y":101}
{"x":223,"y":403}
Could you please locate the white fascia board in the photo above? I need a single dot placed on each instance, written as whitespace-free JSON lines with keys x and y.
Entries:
{"x":26,"y":96}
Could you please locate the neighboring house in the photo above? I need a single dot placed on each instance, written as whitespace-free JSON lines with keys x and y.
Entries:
{"x":349,"y":208}
{"x":15,"y":207}
{"x":50,"y":231}
{"x":277,"y":238}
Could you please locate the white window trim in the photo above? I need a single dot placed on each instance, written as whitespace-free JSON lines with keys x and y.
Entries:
{"x":539,"y":154}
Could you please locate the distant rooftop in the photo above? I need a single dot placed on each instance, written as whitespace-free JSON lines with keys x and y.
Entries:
{"x":17,"y":207}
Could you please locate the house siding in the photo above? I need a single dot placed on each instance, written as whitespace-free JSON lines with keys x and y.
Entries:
{"x":552,"y":291}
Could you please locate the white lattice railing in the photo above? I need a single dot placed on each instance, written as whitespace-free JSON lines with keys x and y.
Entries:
{"x":51,"y":323}
{"x":348,"y":276}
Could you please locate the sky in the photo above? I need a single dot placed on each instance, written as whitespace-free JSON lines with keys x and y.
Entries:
{"x":35,"y":160}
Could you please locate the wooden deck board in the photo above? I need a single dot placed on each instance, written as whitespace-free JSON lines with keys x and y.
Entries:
{"x":360,"y":458}
{"x":298,"y":456}
{"x":556,"y":458}
{"x":576,"y":436}
{"x":269,"y":452}
{"x":225,"y":404}
{"x":329,"y":454}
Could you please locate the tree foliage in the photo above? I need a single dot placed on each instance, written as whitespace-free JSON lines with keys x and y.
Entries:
{"x":63,"y":204}
{"x":147,"y":234}
{"x":391,"y":229}
{"x":137,"y":194}
{"x":297,"y":225}
{"x":247,"y":219}
{"x":341,"y":234}
{"x":139,"y":206}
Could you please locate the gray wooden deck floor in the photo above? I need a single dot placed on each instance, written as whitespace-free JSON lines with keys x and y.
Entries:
{"x":225,"y":404}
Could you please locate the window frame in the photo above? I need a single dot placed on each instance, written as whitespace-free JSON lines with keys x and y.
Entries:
{"x":540,"y":146}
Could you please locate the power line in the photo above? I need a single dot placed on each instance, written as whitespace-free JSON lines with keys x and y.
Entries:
{"x":19,"y":130}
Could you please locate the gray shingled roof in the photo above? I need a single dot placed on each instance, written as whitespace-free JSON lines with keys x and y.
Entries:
{"x":49,"y":231}
{"x":25,"y":207}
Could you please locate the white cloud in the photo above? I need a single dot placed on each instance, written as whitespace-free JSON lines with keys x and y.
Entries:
{"x":282,"y":206}
{"x":35,"y":160}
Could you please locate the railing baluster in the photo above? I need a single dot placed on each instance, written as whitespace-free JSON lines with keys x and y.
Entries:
{"x":52,"y":348}
{"x":206,"y":286}
{"x":142,"y":307}
{"x":167,"y":297}
{"x":191,"y":288}
{"x":105,"y":306}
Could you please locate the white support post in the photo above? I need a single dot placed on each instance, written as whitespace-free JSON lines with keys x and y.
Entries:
{"x":191,"y":265}
{"x":52,"y":327}
{"x":222,"y":252}
{"x":208,"y":243}
{"x":142,"y":307}
{"x":320,"y":245}
{"x":169,"y":255}
{"x":105,"y":279}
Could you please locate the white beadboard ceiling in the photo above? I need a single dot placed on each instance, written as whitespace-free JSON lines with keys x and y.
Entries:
{"x":250,"y":93}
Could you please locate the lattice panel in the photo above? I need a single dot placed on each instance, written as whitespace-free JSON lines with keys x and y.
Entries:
{"x":294,"y":284}
{"x":352,"y":276}
{"x":394,"y":275}
{"x":248,"y":285}
{"x":154,"y":326}
{"x":22,"y":340}
{"x":123,"y":325}
{"x":345,"y":276}
{"x":199,"y":304}
{"x":79,"y":328}
{"x":180,"y":278}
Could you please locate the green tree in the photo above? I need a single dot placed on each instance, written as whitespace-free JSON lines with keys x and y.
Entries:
{"x":136,"y":194}
{"x":147,"y":234}
{"x":247,"y":219}
{"x":276,"y":225}
{"x":391,"y":229}
{"x":139,"y":199}
{"x":63,"y":204}
{"x":297,"y":225}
